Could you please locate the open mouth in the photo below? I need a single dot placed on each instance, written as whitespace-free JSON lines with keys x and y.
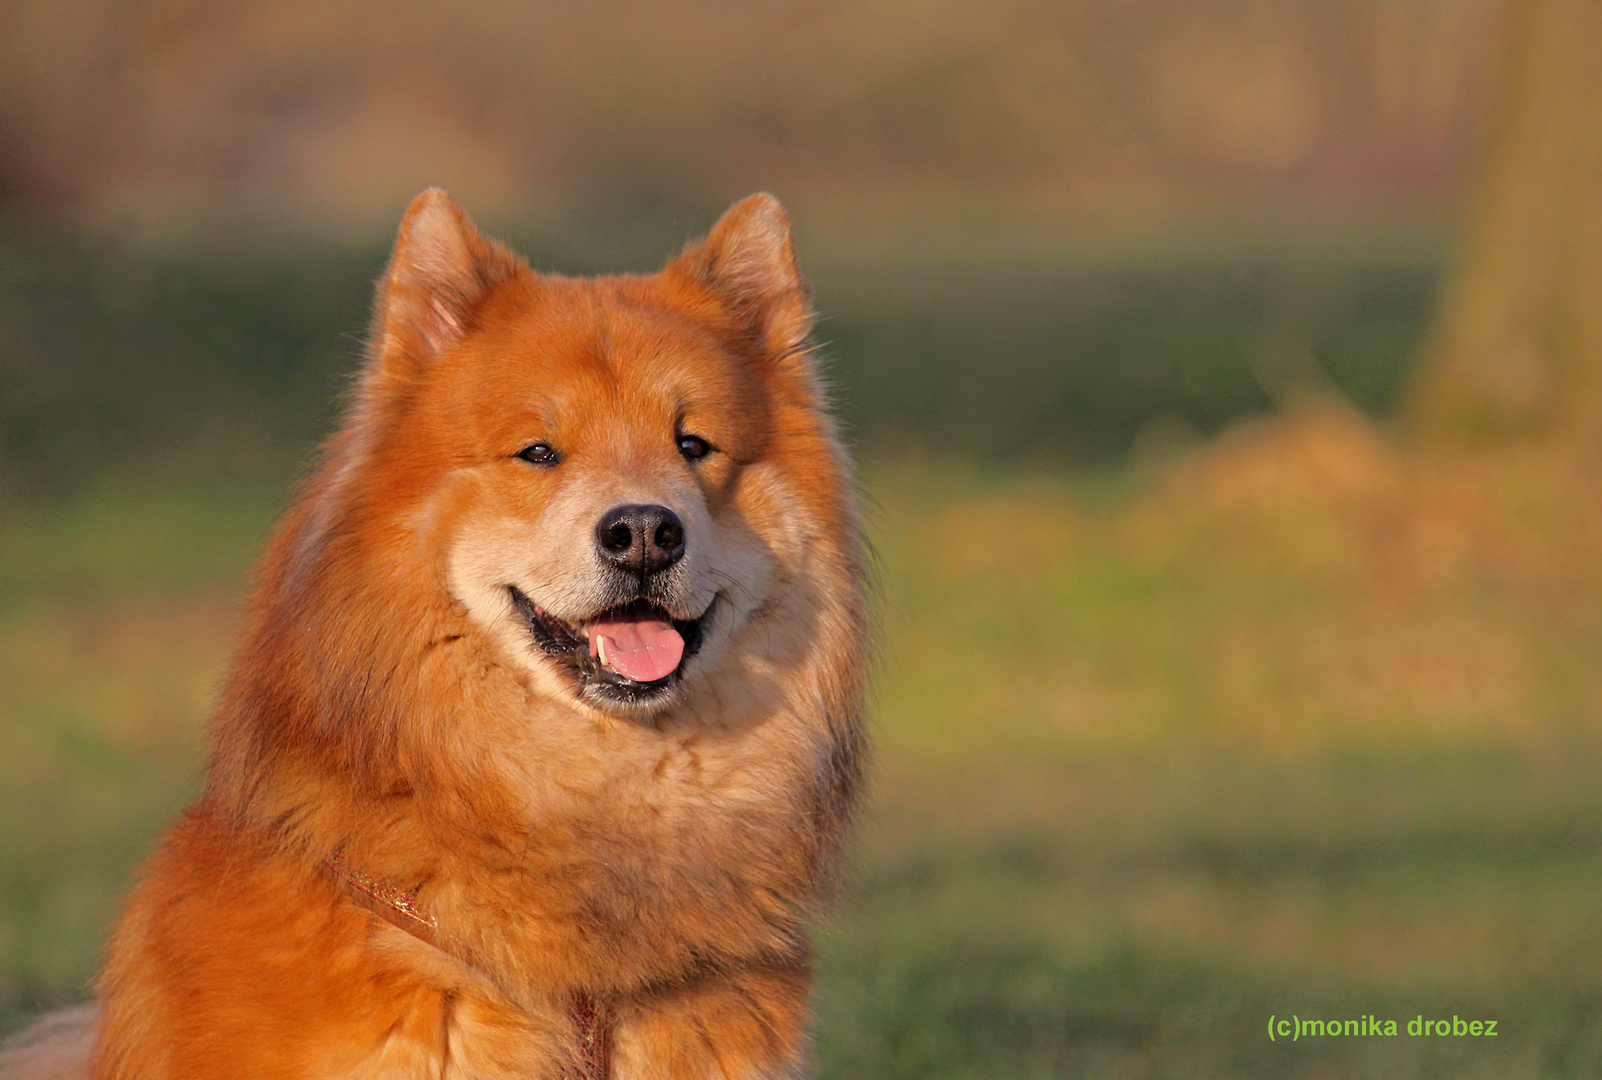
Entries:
{"x":633,"y":653}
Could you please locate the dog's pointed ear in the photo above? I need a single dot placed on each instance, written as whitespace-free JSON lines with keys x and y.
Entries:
{"x":440,"y":269}
{"x":748,"y":261}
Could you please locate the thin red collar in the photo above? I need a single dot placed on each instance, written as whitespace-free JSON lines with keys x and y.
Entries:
{"x":400,"y":909}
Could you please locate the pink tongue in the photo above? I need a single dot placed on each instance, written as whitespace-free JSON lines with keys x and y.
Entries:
{"x":644,"y":650}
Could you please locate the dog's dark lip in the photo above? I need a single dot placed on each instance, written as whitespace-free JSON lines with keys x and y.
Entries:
{"x":568,"y":646}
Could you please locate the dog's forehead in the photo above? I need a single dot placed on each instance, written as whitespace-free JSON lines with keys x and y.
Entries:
{"x":585,"y":341}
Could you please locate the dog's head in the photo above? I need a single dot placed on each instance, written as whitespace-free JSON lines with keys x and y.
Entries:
{"x":612,"y":477}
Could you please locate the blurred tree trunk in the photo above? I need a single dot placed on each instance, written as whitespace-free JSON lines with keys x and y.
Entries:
{"x":1517,"y":343}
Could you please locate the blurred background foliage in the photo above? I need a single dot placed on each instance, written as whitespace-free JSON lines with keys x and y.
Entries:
{"x":1225,"y":382}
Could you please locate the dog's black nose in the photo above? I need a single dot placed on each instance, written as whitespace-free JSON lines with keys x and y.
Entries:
{"x":640,"y":539}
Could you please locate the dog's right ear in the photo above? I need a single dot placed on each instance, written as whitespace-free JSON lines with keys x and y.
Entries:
{"x":748,"y":260}
{"x":440,"y":269}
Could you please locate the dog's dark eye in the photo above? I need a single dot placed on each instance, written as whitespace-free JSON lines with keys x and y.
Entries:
{"x":541,"y":453}
{"x":693,"y":447}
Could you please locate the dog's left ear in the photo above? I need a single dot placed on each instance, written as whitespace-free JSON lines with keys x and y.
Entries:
{"x":748,"y":261}
{"x":442,"y":266}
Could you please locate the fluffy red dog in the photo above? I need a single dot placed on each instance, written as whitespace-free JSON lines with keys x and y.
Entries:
{"x":545,"y":726}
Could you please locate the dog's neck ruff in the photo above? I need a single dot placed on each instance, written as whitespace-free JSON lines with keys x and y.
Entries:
{"x":400,"y":909}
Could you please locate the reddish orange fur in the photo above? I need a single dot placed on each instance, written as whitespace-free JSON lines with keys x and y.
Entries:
{"x":663,"y":864}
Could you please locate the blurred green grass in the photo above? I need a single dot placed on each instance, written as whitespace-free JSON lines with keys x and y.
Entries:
{"x":190,"y":367}
{"x":1146,"y":919}
{"x":1099,"y":845}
